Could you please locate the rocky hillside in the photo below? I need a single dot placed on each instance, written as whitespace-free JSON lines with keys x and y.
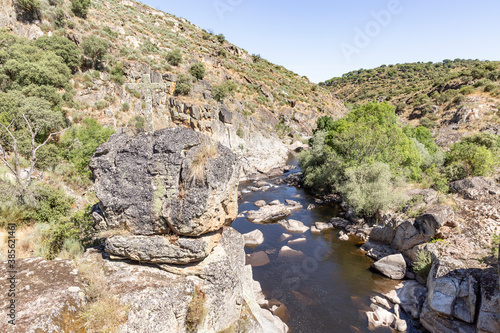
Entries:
{"x":242,"y":100}
{"x":453,"y":98}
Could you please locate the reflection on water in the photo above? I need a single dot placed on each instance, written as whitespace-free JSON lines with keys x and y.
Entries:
{"x":326,"y":289}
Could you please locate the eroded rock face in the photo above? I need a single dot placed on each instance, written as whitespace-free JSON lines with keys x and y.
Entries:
{"x":433,"y":218}
{"x":170,"y":180}
{"x":453,"y":289}
{"x":162,"y":250}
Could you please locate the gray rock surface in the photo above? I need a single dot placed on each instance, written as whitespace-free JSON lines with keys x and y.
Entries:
{"x":453,"y":289}
{"x":294,"y":226}
{"x":393,"y":266}
{"x":383,"y":234}
{"x":489,"y":313}
{"x":432,"y":219}
{"x":474,"y":188}
{"x":254,"y":238}
{"x":162,"y":250}
{"x":146,"y":184}
{"x":47,"y":293}
{"x":412,"y":296}
{"x":271,"y":213}
{"x":407,"y":236}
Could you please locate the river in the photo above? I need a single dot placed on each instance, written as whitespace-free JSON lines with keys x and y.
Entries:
{"x":326,"y":290}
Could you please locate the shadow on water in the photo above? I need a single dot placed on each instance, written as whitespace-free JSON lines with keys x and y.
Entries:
{"x":328,"y":288}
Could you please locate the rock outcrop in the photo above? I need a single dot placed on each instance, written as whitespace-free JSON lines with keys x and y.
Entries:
{"x":167,"y":199}
{"x":171,"y":181}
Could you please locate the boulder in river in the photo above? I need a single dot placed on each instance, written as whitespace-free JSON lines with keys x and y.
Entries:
{"x":286,"y":251}
{"x":257,"y":259}
{"x":393,"y":266}
{"x":270,"y":213}
{"x":254,"y":238}
{"x":294,"y":226}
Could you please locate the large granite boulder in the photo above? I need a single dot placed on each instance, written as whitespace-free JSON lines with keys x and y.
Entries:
{"x":393,"y":266}
{"x":173,"y":180}
{"x":453,"y":289}
{"x":412,"y":296}
{"x":432,"y":219}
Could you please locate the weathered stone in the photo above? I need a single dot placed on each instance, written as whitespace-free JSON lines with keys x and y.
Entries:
{"x":270,"y":213}
{"x":338,"y":222}
{"x":297,"y":241}
{"x":383,"y":235}
{"x":432,"y":219}
{"x":162,"y":250}
{"x":286,"y":251}
{"x":285,"y":237}
{"x":148,"y":184}
{"x":315,"y":230}
{"x":294,"y":226}
{"x":257,"y":259}
{"x":428,"y":195}
{"x":393,"y":266}
{"x":323,"y":226}
{"x":275,"y":203}
{"x":435,"y":323}
{"x":254,"y":238}
{"x":47,"y":294}
{"x":489,"y":313}
{"x":160,"y":299}
{"x":342,"y":236}
{"x":453,"y":289}
{"x":381,"y":301}
{"x":473,"y":188}
{"x":379,"y":317}
{"x":292,"y":202}
{"x":407,"y":237}
{"x":377,"y":251}
{"x":412,"y":297}
{"x":260,"y":203}
{"x":225,"y":115}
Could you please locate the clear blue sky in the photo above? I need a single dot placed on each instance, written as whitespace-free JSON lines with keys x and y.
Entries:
{"x":317,"y":38}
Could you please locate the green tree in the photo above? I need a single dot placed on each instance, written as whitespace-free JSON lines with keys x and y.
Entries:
{"x":80,"y":7}
{"x":62,"y":47}
{"x":95,"y":48}
{"x":221,"y":91}
{"x":198,"y":70}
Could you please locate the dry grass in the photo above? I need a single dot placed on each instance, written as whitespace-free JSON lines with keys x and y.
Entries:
{"x":104,"y":312}
{"x":28,"y":241}
{"x":206,"y":150}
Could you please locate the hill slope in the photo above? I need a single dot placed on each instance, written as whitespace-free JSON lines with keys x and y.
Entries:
{"x":244,"y":101}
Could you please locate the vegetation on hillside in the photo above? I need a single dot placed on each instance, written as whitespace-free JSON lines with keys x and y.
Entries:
{"x":417,"y":83}
{"x":368,"y":156}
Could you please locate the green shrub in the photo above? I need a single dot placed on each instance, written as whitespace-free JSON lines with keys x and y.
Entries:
{"x":80,"y":7}
{"x":198,"y":70}
{"x":80,"y":142}
{"x":118,"y":73}
{"x":95,"y":48}
{"x":62,"y":47}
{"x":138,"y":123}
{"x":495,"y":241}
{"x":426,"y":122}
{"x":221,"y":91}
{"x":477,"y":154}
{"x":423,"y":264}
{"x":174,"y":57}
{"x":183,"y":85}
{"x":125,"y":106}
{"x":467,"y":90}
{"x":370,"y":188}
{"x":51,"y":205}
{"x":100,"y":105}
{"x":221,"y":38}
{"x":490,"y":87}
{"x":29,"y":8}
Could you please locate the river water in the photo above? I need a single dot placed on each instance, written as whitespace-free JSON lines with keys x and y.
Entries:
{"x":326,"y":290}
